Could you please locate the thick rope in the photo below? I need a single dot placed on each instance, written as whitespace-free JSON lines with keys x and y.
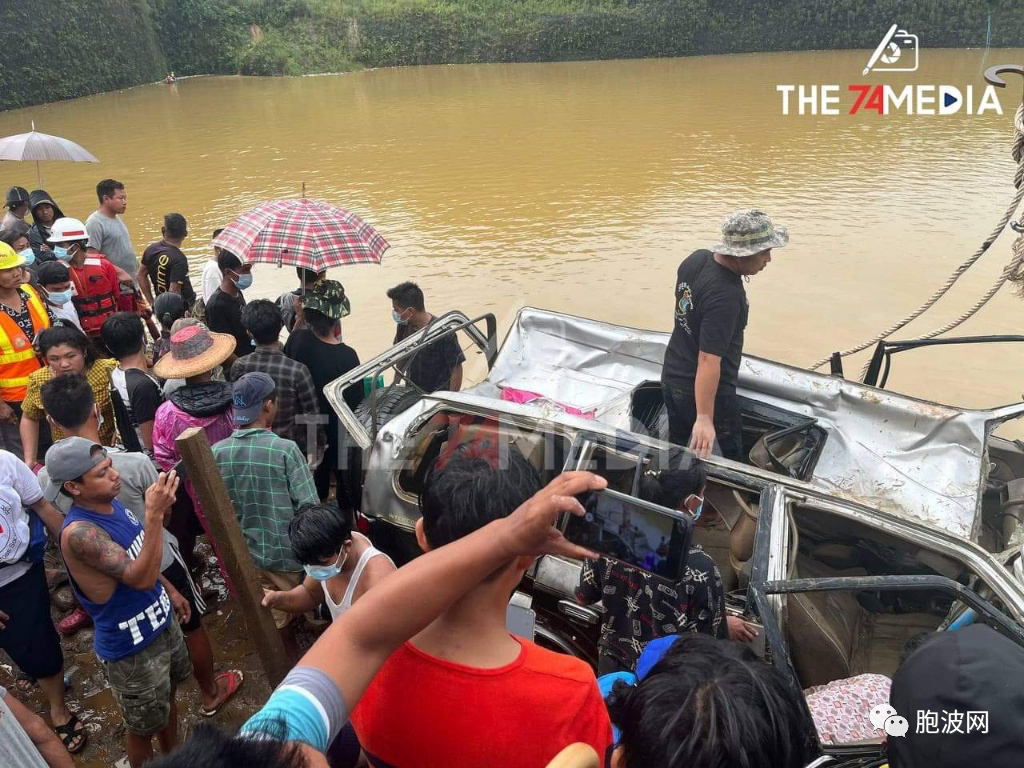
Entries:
{"x":1012,"y":272}
{"x":1012,"y":269}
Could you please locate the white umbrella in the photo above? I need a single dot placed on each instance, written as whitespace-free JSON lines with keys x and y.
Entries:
{"x":42,"y":146}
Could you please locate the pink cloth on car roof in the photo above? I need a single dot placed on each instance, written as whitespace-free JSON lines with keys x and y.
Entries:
{"x":513,"y":395}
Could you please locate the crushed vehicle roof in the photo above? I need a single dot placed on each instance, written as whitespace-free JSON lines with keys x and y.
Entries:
{"x":913,"y":458}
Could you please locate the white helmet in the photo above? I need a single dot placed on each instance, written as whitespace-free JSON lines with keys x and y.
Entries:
{"x":68,"y":230}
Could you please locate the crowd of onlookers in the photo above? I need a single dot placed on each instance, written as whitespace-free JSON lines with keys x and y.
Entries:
{"x":105,"y":359}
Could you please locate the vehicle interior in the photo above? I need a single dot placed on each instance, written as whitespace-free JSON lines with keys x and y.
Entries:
{"x":773,"y":438}
{"x":1002,"y":509}
{"x":839,"y":634}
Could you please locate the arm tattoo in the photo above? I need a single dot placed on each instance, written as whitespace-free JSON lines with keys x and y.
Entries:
{"x":93,"y":547}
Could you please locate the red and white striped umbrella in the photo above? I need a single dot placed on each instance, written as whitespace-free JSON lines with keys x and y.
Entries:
{"x":302,"y":233}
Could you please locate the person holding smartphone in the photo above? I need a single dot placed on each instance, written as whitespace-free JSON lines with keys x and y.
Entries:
{"x":641,"y":605}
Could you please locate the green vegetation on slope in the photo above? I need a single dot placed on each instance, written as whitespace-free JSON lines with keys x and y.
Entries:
{"x":59,"y":50}
{"x":268,"y":37}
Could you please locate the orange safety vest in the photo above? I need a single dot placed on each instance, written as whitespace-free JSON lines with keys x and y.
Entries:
{"x":17,"y":356}
{"x":94,"y":296}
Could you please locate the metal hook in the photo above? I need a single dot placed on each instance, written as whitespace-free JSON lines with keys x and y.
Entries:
{"x":992,"y":74}
{"x":1017,"y":226}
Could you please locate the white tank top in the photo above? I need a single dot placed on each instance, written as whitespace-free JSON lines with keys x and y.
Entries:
{"x":337,"y":609}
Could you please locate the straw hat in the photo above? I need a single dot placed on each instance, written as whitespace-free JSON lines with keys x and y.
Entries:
{"x":748,"y":232}
{"x":194,"y":350}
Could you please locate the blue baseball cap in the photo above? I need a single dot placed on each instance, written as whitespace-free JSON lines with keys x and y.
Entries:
{"x":248,"y":394}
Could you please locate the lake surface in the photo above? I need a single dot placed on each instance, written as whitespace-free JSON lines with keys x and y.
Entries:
{"x":580,"y":186}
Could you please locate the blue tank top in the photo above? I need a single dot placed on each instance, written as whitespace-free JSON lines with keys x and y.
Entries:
{"x":131,"y":618}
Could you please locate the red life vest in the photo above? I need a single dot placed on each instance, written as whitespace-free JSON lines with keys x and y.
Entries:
{"x":94,"y":293}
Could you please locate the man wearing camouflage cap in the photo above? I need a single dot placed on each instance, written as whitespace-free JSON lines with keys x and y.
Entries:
{"x":702,"y":360}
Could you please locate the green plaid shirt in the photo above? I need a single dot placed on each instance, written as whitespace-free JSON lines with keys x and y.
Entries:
{"x":268,"y":481}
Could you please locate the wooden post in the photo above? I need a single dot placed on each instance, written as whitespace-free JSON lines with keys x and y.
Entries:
{"x":202,"y":471}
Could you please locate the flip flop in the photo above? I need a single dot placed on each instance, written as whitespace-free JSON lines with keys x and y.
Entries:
{"x":67,"y":734}
{"x":25,"y":683}
{"x":235,"y":678}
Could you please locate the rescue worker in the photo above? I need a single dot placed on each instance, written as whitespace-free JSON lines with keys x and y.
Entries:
{"x":44,"y":213}
{"x":97,"y":290}
{"x":702,"y":360}
{"x":23,"y":316}
{"x":17,"y":207}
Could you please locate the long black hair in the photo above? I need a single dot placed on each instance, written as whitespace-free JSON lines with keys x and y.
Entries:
{"x":712,"y":703}
{"x":211,"y":747}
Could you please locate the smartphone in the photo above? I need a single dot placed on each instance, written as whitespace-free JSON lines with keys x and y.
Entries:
{"x":638,"y":533}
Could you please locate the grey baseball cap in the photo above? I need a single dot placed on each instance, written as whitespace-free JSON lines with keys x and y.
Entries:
{"x":69,"y":459}
{"x":248,"y":395}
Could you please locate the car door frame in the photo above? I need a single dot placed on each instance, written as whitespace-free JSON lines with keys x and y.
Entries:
{"x":770,"y":581}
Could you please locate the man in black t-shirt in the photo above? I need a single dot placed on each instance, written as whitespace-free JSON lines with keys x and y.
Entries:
{"x":135,"y":393}
{"x":702,"y":360}
{"x":164,"y":267}
{"x":437,"y":365}
{"x":224,"y":309}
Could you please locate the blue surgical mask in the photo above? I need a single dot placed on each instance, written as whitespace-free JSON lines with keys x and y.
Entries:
{"x":325,"y":572}
{"x":243,"y":282}
{"x":29,"y":255}
{"x":61,"y":253}
{"x":59,"y":298}
{"x":397,"y":317}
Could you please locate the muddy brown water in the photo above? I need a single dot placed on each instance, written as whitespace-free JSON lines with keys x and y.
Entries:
{"x":579,"y":187}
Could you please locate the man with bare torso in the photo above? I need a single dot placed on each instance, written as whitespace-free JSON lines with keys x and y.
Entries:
{"x":114,"y":563}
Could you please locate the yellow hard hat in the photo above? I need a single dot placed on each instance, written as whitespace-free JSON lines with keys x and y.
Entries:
{"x":9,"y":258}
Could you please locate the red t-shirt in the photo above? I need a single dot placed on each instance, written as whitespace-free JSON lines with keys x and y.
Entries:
{"x":424,"y":712}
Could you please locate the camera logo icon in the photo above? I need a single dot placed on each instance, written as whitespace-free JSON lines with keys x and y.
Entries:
{"x":896,"y":53}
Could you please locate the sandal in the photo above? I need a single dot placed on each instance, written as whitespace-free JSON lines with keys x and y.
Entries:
{"x":25,"y":683}
{"x":67,"y":734}
{"x":235,"y":678}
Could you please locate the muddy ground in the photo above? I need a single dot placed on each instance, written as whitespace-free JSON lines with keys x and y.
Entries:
{"x":89,"y":695}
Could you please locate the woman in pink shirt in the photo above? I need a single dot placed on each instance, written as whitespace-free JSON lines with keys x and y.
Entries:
{"x":202,"y":402}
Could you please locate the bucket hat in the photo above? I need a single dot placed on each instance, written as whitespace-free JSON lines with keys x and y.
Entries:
{"x":327,"y":297}
{"x":9,"y":258}
{"x":194,"y":350}
{"x":748,"y":232}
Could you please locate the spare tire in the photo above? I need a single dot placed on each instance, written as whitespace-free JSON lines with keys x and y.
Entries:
{"x":390,"y":401}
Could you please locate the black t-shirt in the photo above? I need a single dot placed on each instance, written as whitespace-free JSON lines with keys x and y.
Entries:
{"x":710,"y":315}
{"x":326,"y":362}
{"x":141,"y":395}
{"x":166,"y":265}
{"x":224,"y":315}
{"x":430,"y":368}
